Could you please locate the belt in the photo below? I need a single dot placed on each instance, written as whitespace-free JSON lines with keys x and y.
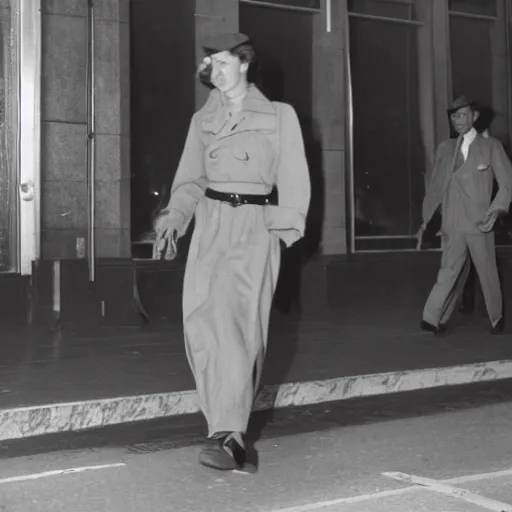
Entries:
{"x":234,"y":199}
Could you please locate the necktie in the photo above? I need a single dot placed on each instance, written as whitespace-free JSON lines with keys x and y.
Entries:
{"x":459,"y":158}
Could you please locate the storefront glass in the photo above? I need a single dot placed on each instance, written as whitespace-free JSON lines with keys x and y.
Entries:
{"x":8,"y":117}
{"x":408,"y":60}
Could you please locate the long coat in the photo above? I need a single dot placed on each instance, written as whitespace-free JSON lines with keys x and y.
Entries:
{"x":234,"y":256}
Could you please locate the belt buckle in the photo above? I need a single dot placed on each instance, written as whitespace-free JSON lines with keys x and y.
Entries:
{"x":236,"y":200}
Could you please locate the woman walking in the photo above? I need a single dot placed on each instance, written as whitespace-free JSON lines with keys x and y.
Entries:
{"x":239,"y":147}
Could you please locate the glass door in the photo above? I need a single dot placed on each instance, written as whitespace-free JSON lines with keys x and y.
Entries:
{"x":388,"y":153}
{"x":20,"y":128}
{"x":8,"y":131}
{"x":408,"y":60}
{"x":480,"y":69}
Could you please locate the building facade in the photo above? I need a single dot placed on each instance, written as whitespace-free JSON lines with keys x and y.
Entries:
{"x":97,"y":97}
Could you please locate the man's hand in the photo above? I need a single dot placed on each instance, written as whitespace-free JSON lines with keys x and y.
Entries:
{"x":489,"y":220}
{"x":419,"y":236}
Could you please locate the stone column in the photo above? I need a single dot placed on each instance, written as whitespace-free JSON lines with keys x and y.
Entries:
{"x":112,"y":82}
{"x":329,"y":100}
{"x":64,"y":124}
{"x":63,"y":130}
{"x":212,"y":17}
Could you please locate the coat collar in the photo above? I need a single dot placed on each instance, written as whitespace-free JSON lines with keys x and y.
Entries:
{"x":478,"y":140}
{"x":255,"y":111}
{"x":478,"y":150}
{"x":478,"y":143}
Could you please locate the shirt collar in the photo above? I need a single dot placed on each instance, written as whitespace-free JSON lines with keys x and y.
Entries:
{"x":470,"y":136}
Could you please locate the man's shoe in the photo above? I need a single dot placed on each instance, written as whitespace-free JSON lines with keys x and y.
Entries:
{"x":499,"y":327}
{"x":223,"y":452}
{"x":426,"y":326}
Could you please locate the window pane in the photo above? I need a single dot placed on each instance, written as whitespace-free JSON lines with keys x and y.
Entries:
{"x":386,"y":8}
{"x":286,"y":60}
{"x":474,"y":77}
{"x":471,"y":76}
{"x":482,"y":7}
{"x":161,"y":107}
{"x":388,"y":154}
{"x":286,"y":56}
{"x":7,"y":131}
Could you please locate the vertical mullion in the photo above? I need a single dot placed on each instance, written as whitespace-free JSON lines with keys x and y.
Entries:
{"x":426,"y":84}
{"x":409,"y":124}
{"x":442,"y":66}
{"x":349,"y":131}
{"x":499,"y":73}
{"x":507,"y":14}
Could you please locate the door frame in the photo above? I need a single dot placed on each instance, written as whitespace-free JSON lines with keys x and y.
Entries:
{"x":28,"y":147}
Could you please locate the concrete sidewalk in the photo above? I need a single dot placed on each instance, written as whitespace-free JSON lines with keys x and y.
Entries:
{"x":58,"y":383}
{"x":340,"y":457}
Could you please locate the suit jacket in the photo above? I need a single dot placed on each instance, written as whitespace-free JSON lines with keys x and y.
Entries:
{"x":465,"y":193}
{"x":264,"y":147}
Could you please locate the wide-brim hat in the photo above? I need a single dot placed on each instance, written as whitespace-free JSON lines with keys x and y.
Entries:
{"x":225,"y":42}
{"x":460,"y":102}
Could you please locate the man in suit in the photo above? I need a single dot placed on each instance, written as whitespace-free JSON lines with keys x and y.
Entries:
{"x":462,"y":184}
{"x":467,"y":305}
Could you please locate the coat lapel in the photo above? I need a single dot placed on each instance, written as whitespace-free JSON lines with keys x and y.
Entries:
{"x":480,"y":153}
{"x":214,"y":117}
{"x":448,"y":166}
{"x":258,"y":113}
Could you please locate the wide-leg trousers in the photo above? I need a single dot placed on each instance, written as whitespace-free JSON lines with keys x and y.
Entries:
{"x":455,"y":265}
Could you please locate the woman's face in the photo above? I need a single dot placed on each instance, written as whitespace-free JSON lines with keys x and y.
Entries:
{"x":227,"y":71}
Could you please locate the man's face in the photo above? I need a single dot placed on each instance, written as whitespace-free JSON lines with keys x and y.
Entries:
{"x":227,"y":71}
{"x":463,"y":119}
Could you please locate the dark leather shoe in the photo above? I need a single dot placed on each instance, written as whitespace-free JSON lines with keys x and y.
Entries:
{"x":499,"y":327}
{"x":426,"y":326}
{"x":223,"y":452}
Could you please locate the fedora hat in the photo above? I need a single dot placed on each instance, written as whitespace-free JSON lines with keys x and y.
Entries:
{"x":460,"y":102}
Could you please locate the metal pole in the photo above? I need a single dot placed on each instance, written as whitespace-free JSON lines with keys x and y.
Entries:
{"x":482,"y":17}
{"x":15,"y":249}
{"x":350,"y":134}
{"x":91,"y":134}
{"x":384,"y":18}
{"x":284,"y":7}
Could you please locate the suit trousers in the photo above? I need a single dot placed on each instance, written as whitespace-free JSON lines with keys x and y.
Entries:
{"x":452,"y":276}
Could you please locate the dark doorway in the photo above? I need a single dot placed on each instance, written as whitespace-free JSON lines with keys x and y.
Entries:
{"x":162,"y":104}
{"x":283,"y":40}
{"x":477,"y":77}
{"x":388,"y":153}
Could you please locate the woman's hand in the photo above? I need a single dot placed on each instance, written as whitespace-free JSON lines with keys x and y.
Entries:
{"x":166,"y":241}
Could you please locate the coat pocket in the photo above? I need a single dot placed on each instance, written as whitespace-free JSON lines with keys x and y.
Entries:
{"x":483,"y":166}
